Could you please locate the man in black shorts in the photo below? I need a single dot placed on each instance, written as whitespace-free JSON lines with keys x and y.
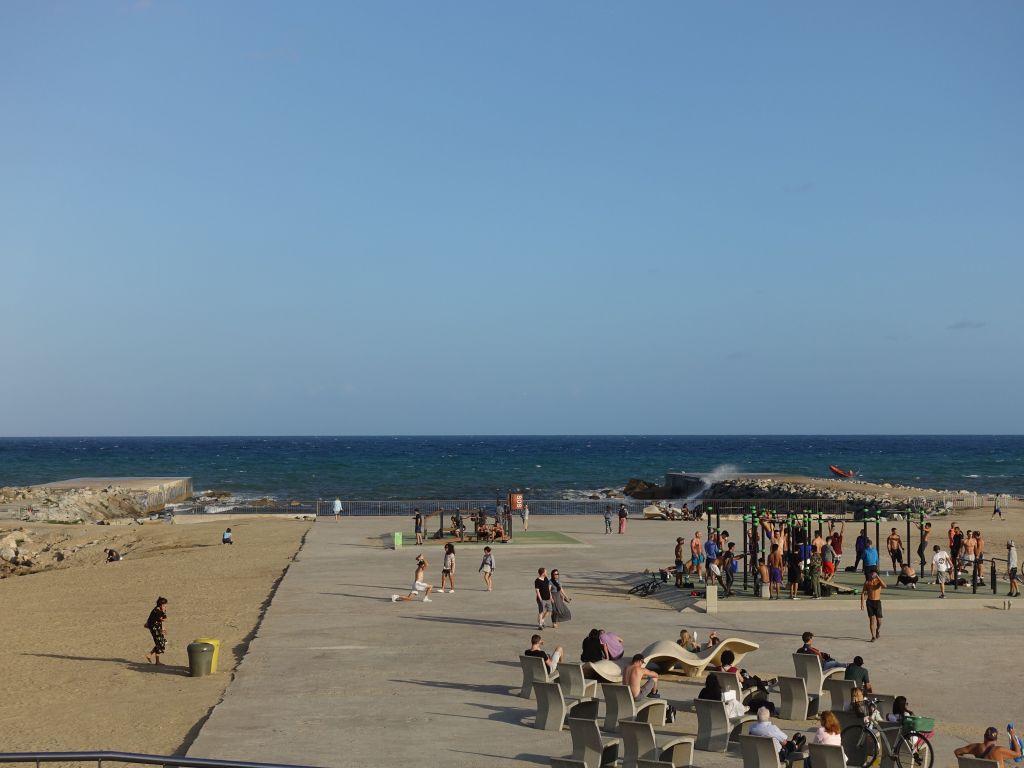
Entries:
{"x":871,"y":599}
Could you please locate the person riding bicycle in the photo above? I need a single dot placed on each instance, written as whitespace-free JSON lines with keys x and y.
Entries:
{"x":989,"y":749}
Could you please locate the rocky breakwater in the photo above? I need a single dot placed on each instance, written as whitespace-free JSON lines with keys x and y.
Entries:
{"x":855,"y":498}
{"x":72,"y":505}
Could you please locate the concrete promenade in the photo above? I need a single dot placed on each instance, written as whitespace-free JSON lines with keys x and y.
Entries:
{"x":338,"y":675}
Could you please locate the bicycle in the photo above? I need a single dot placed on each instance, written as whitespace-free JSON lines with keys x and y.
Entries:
{"x":911,"y":748}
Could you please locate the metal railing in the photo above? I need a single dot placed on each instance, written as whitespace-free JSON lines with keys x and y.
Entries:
{"x":133,"y":757}
{"x":405,"y":507}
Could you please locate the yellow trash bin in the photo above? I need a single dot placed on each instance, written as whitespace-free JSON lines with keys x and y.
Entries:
{"x":216,"y":650}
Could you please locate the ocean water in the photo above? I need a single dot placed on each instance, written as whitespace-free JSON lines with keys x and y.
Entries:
{"x":546,"y":467}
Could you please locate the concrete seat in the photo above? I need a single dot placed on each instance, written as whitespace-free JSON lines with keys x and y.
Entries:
{"x":808,"y":666}
{"x":796,"y":704}
{"x":884,"y":703}
{"x":826,"y":755}
{"x":714,"y":731}
{"x":640,"y":743}
{"x":619,"y":705}
{"x":759,"y":752}
{"x":668,"y":654}
{"x":840,"y":692}
{"x":846,"y":718}
{"x":730,"y":681}
{"x":552,"y":708}
{"x":572,"y":682}
{"x":589,"y":747}
{"x":534,"y":669}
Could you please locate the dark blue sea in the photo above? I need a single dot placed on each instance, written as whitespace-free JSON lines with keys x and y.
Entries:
{"x":471,"y":467}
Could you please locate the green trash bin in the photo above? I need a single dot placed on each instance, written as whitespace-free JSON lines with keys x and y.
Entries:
{"x":398,"y":540}
{"x":200,"y":659}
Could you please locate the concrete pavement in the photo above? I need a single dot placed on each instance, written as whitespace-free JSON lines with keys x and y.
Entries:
{"x":338,"y":675}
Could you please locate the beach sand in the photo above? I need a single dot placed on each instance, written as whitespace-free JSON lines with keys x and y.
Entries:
{"x":72,"y":642}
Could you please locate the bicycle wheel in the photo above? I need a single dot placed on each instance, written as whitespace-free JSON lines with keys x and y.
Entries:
{"x":860,"y":746}
{"x":913,"y":750}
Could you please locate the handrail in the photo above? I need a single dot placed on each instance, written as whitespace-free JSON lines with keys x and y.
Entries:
{"x":133,"y":757}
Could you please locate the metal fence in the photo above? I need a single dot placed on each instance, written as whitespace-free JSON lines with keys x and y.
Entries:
{"x":823,"y":507}
{"x":406,"y":507}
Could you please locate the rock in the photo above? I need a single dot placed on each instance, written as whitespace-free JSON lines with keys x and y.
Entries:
{"x":10,"y":554}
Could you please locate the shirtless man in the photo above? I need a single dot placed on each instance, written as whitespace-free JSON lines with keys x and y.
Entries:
{"x":970,"y":550}
{"x":894,"y":543}
{"x":979,"y":555}
{"x":989,"y":749}
{"x":871,"y":594}
{"x":775,"y":572}
{"x":696,"y":556}
{"x":641,"y":681}
{"x":680,"y":570}
{"x":817,"y":543}
{"x":925,"y":531}
{"x":418,"y":585}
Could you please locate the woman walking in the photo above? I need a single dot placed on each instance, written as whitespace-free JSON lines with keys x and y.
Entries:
{"x":448,"y":567}
{"x":559,"y":598}
{"x":487,"y":568}
{"x":155,"y":625}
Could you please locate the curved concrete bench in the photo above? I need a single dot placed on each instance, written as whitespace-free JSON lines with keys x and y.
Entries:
{"x":605,"y":670}
{"x":668,"y":654}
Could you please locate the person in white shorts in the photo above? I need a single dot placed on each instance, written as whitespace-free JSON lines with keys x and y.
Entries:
{"x":941,"y":564}
{"x":418,"y":585}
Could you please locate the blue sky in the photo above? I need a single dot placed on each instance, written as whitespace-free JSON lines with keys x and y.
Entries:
{"x":483,"y":217}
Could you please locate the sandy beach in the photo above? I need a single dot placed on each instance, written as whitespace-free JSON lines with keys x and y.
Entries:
{"x":72,"y":642}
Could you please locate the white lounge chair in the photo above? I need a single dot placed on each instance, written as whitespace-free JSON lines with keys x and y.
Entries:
{"x":714,"y":730}
{"x":588,"y":745}
{"x":619,"y":705}
{"x":572,"y":682}
{"x":668,"y":654}
{"x":552,"y":708}
{"x":826,"y":755}
{"x":640,"y":743}
{"x":606,"y":670}
{"x":534,"y":669}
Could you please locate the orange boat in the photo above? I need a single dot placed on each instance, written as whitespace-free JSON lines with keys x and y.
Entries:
{"x":847,"y":473}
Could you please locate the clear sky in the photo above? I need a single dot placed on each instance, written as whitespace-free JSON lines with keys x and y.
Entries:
{"x":494,"y":217}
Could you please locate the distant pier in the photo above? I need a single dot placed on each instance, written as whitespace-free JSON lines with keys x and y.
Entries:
{"x":154,"y":492}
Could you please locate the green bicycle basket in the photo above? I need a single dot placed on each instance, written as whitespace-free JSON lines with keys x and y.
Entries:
{"x":918,"y":723}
